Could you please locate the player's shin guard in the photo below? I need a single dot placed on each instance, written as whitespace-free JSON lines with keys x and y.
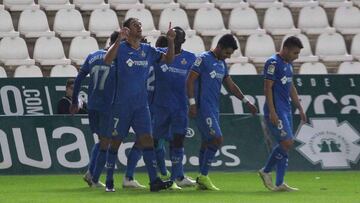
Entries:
{"x":94,"y":153}
{"x":208,"y":159}
{"x":100,"y":163}
{"x":281,"y":166}
{"x":133,"y":158}
{"x":110,"y":164}
{"x":177,"y":155}
{"x":272,"y":160}
{"x":150,"y":162}
{"x":160,"y":157}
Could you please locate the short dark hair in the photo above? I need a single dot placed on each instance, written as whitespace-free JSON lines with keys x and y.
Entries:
{"x":227,"y":41}
{"x":161,"y":41}
{"x":180,"y":34}
{"x":70,"y":82}
{"x":113,"y":37}
{"x":292,"y":42}
{"x":179,"y":28}
{"x":128,"y":21}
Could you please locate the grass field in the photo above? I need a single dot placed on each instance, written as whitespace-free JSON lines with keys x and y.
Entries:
{"x":315,"y":187}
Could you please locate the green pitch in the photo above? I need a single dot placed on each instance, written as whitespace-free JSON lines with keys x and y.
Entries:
{"x":315,"y":187}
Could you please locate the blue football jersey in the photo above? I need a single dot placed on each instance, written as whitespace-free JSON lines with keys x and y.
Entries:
{"x":170,"y":82}
{"x":211,"y":75}
{"x":101,"y":82}
{"x":133,"y":71}
{"x":281,"y":73}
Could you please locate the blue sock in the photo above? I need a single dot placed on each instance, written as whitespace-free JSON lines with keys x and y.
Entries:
{"x":281,"y":166}
{"x":150,"y":162}
{"x":181,"y":174}
{"x":100,"y":163}
{"x":176,"y":162}
{"x":93,"y":156}
{"x":272,"y":160}
{"x":208,"y":159}
{"x":110,"y":164}
{"x":133,"y":158}
{"x":160,"y":159}
{"x":201,"y":158}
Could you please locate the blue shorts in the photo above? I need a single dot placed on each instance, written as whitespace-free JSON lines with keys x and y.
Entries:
{"x":208,"y":124}
{"x":100,"y":123}
{"x":167,"y":122}
{"x":125,"y":117}
{"x":284,"y":130}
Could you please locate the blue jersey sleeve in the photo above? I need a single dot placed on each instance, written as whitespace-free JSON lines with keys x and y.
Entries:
{"x":270,"y":69}
{"x":84,"y":70}
{"x":155,"y":65}
{"x":86,"y":66}
{"x":162,"y":49}
{"x":226,"y":70}
{"x":154,"y":54}
{"x":198,"y":64}
{"x":191,"y":58}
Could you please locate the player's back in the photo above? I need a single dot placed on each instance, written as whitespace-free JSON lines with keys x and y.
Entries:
{"x":281,"y":72}
{"x":170,"y":82}
{"x":211,"y":74}
{"x":101,"y":82}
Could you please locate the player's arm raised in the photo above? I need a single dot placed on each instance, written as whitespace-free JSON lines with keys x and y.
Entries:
{"x":235,"y":90}
{"x":170,"y":53}
{"x":295,"y":99}
{"x":190,"y":87}
{"x":112,"y":51}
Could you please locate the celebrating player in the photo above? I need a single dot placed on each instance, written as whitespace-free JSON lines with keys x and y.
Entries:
{"x":131,"y":107}
{"x":100,"y":97}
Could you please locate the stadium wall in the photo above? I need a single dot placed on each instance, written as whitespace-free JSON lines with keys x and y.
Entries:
{"x":34,"y":141}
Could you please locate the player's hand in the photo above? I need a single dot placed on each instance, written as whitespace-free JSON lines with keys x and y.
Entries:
{"x":303,"y":116}
{"x":171,"y":34}
{"x":192,"y":111}
{"x":274,"y":119}
{"x":74,"y":108}
{"x":124,"y":33}
{"x":252,"y":108}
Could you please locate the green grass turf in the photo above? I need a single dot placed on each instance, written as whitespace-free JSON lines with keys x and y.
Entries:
{"x":315,"y":187}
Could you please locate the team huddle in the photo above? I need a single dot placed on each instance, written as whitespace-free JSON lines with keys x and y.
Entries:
{"x":185,"y":85}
